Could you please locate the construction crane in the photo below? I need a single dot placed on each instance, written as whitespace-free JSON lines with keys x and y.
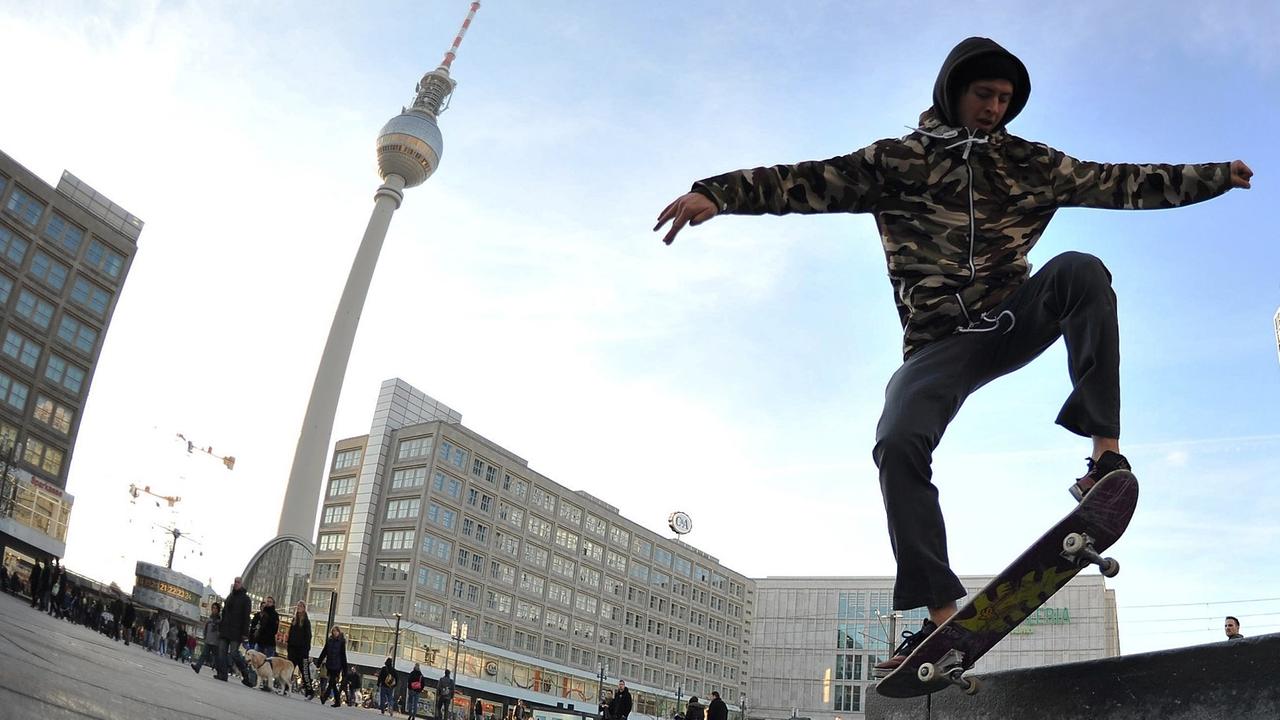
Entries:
{"x":192,"y":448}
{"x":135,"y":491}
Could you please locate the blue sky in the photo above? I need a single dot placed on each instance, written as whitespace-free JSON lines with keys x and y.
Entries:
{"x":736,"y":375}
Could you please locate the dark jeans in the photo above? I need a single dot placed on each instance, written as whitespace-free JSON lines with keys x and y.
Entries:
{"x":229,"y":652}
{"x":1070,"y":297}
{"x":210,"y":655}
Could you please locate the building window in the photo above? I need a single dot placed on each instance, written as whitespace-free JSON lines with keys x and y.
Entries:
{"x":447,"y":485}
{"x":61,"y":372}
{"x":344,"y":459}
{"x":528,"y":612}
{"x":104,"y":259}
{"x":24,"y":207}
{"x":332,"y":542}
{"x":502,"y":572}
{"x":556,"y":621}
{"x":662,"y":556}
{"x":453,"y":454}
{"x":442,"y":516}
{"x":466,"y":592}
{"x":64,"y":234}
{"x":531,"y":584}
{"x":506,"y":544}
{"x":539,"y":527}
{"x":404,"y":509}
{"x":318,"y":600}
{"x":326,"y":571}
{"x":428,"y":613}
{"x":393,"y":571}
{"x":640,"y":572}
{"x":562,"y":566}
{"x":12,"y":247}
{"x":476,"y":530}
{"x":589,"y":577}
{"x":335,"y":514}
{"x":22,"y":349}
{"x":494,"y":634}
{"x":498,"y":602}
{"x":77,"y":334}
{"x":566,"y":540}
{"x":596,"y":526}
{"x":470,"y":560}
{"x":642,"y":548}
{"x":585,"y":604}
{"x":387,"y":603}
{"x":847,"y":699}
{"x":49,"y":271}
{"x":414,"y":448}
{"x":570,"y":513}
{"x":510,"y":514}
{"x":517,"y":487}
{"x":480,"y":500}
{"x":534,"y":555}
{"x":13,"y":393}
{"x":543,"y":499}
{"x":683,"y":567}
{"x":433,"y":579}
{"x":592,"y":551}
{"x":437,"y":548}
{"x":617,"y":561}
{"x":40,"y":313}
{"x":408,"y":478}
{"x":484,"y":470}
{"x":90,"y":297}
{"x":342,"y":486}
{"x":6,"y":288}
{"x":45,"y":457}
{"x":397,"y":539}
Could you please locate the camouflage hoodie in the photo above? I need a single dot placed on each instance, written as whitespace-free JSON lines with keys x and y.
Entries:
{"x":958,"y":210}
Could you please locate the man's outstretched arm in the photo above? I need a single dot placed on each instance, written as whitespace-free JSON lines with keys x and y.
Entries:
{"x":1126,"y":186}
{"x":849,"y":183}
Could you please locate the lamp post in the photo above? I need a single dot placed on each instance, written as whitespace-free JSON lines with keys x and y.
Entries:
{"x":742,"y":704}
{"x":679,"y":699}
{"x":395,"y":647}
{"x":604,"y":671}
{"x":8,"y":484}
{"x":459,"y":635}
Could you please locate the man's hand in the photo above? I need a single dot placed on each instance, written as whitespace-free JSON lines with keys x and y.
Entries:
{"x":1240,"y":174}
{"x":688,"y":209}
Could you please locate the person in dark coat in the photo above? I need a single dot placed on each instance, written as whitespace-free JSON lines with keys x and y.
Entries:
{"x":268,"y":625}
{"x":694,"y":710}
{"x":126,"y":620}
{"x":233,"y":630}
{"x":620,"y":705}
{"x":717,"y":710}
{"x":444,"y":695}
{"x":334,"y":660}
{"x":298,"y":645}
{"x":387,"y":682}
{"x":37,"y":571}
{"x":352,"y":683}
{"x":413,"y":692}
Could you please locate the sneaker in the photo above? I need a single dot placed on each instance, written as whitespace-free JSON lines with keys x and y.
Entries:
{"x":911,"y":640}
{"x":1098,"y":469}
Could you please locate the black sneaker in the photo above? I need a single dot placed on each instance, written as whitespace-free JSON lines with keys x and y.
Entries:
{"x":911,"y":640}
{"x":1098,"y":469}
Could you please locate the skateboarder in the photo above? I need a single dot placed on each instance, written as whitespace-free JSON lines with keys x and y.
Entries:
{"x":959,"y":203}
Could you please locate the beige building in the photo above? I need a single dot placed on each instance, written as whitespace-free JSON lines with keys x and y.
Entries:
{"x":64,"y":254}
{"x":816,"y":639}
{"x":429,"y":520}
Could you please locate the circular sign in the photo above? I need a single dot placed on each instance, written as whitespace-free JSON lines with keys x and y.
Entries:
{"x":491,"y":668}
{"x":679,"y":522}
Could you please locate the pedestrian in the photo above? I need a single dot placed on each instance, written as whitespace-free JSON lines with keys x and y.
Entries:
{"x":210,"y":652}
{"x":333,"y":657}
{"x":620,"y":705}
{"x":521,"y":712}
{"x":37,"y":572}
{"x":1232,"y":628}
{"x":233,"y":630}
{"x":959,"y":203}
{"x":717,"y":710}
{"x":386,"y":687}
{"x":444,"y":695}
{"x":414,"y":691}
{"x":477,"y":710}
{"x":298,"y":645}
{"x":181,"y":648}
{"x":267,"y":626}
{"x":694,"y":710}
{"x":127,"y":617}
{"x":322,"y":680}
{"x":352,"y":682}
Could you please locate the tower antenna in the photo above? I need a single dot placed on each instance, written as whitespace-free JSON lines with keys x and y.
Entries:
{"x":453,"y":49}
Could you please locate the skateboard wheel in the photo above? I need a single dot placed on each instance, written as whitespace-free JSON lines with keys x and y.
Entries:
{"x":1073,"y":543}
{"x":970,"y":686}
{"x":927,"y":673}
{"x":1110,"y":567}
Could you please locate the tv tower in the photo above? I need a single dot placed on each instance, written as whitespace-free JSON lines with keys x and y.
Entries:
{"x":409,"y":147}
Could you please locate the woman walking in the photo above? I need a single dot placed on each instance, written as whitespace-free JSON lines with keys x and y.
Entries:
{"x":298,"y":646}
{"x":334,"y":659}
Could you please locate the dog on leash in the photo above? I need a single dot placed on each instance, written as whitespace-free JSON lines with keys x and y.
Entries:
{"x":268,"y":669}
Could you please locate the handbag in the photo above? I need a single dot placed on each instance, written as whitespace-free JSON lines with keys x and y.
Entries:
{"x":416,"y":685}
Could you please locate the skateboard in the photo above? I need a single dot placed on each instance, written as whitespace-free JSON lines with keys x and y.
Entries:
{"x":1044,"y":568}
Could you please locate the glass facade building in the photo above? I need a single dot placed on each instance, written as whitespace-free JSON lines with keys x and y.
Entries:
{"x":64,"y":254}
{"x":817,"y":638}
{"x":426,"y":519}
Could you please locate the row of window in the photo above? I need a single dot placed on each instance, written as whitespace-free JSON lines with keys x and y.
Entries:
{"x":46,"y":411}
{"x":61,"y":232}
{"x":58,"y":370}
{"x":54,"y":274}
{"x":35,"y":452}
{"x":39,"y":312}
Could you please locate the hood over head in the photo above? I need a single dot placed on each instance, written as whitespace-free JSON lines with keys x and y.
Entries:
{"x":979,"y":58}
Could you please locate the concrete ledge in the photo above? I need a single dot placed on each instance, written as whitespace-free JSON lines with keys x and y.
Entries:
{"x":1219,"y":681}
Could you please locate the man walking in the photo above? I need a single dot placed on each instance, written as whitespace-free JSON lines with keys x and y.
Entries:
{"x":210,"y":651}
{"x":959,"y":203}
{"x":233,"y":630}
{"x":620,"y":705}
{"x":444,"y":695}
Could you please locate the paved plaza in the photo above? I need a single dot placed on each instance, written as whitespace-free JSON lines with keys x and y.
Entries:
{"x":54,"y":670}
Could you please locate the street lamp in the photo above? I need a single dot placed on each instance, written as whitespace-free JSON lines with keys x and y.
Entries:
{"x":604,"y":670}
{"x":395,"y":647}
{"x":8,"y":484}
{"x":459,"y":635}
{"x":679,"y":698}
{"x":742,"y":704}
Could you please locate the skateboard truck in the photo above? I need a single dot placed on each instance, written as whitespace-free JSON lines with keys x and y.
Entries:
{"x":1078,"y":548}
{"x":949,"y":667}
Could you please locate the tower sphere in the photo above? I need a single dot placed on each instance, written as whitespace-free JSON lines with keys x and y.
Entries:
{"x":410,"y":146}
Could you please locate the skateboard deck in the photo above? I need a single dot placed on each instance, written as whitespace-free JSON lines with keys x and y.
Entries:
{"x":1030,"y":580}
